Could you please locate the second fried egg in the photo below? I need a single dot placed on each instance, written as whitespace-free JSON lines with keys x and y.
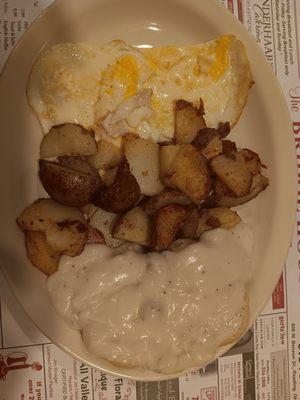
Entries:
{"x":218,"y":72}
{"x":116,"y":88}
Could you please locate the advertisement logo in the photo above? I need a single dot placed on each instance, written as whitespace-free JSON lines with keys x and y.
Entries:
{"x":16,"y":361}
{"x":209,"y":393}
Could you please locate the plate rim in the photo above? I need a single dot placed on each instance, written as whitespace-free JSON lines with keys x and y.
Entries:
{"x":293,"y":175}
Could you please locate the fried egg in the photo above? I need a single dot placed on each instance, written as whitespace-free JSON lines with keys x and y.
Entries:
{"x":217,"y":72}
{"x":116,"y":88}
{"x":64,"y":83}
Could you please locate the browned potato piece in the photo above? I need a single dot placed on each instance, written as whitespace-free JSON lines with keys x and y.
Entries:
{"x":167,"y":222}
{"x":207,"y":135}
{"x":167,"y":155}
{"x":223,"y":129}
{"x":68,"y":237}
{"x":213,"y":218}
{"x":213,"y":148}
{"x":135,"y":226}
{"x":108,"y":175}
{"x":122,"y":195}
{"x":78,"y":163}
{"x":40,"y":253}
{"x":229,"y":149}
{"x":259,"y":183}
{"x":228,"y":218}
{"x":189,"y":173}
{"x":44,"y":213}
{"x":204,"y":137}
{"x":189,"y":228}
{"x":64,"y":227}
{"x":233,"y":172}
{"x":143,"y":159}
{"x":208,"y":143}
{"x":164,"y":198}
{"x":108,"y":155}
{"x":252,"y":160}
{"x":95,"y":236}
{"x":71,"y":182}
{"x":104,"y":222}
{"x":220,"y":189}
{"x":188,"y":121}
{"x":68,"y":140}
{"x":206,"y":223}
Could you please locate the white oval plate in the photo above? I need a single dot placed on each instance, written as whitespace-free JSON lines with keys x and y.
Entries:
{"x":264,"y":127}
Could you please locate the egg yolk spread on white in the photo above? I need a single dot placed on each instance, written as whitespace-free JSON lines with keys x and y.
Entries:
{"x":189,"y":73}
{"x":115,"y":89}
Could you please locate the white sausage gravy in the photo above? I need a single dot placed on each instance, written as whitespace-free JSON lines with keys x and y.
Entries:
{"x":164,"y":312}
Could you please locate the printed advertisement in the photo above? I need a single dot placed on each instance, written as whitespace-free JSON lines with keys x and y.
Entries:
{"x":265,"y":363}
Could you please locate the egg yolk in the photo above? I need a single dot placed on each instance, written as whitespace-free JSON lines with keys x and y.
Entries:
{"x":162,"y":58}
{"x":126,"y":72}
{"x":213,"y":60}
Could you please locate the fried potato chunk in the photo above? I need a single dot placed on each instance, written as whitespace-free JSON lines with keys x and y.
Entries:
{"x":233,"y":172}
{"x":169,"y":196}
{"x":104,"y":222}
{"x":222,"y":199}
{"x":167,"y":156}
{"x":40,"y":253}
{"x":190,"y":225}
{"x":143,"y":159}
{"x":64,"y":227}
{"x":68,"y":140}
{"x":135,"y":226}
{"x":95,"y":236}
{"x":252,"y":160}
{"x":167,"y":222}
{"x":71,"y":182}
{"x":219,"y":217}
{"x":108,"y":155}
{"x":188,"y":121}
{"x":121,"y":195}
{"x":189,"y":173}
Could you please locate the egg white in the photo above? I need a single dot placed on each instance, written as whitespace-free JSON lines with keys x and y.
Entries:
{"x":64,"y":82}
{"x":217,"y":72}
{"x":115,"y":89}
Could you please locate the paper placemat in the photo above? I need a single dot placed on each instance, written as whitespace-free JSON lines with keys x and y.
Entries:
{"x":265,"y":364}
